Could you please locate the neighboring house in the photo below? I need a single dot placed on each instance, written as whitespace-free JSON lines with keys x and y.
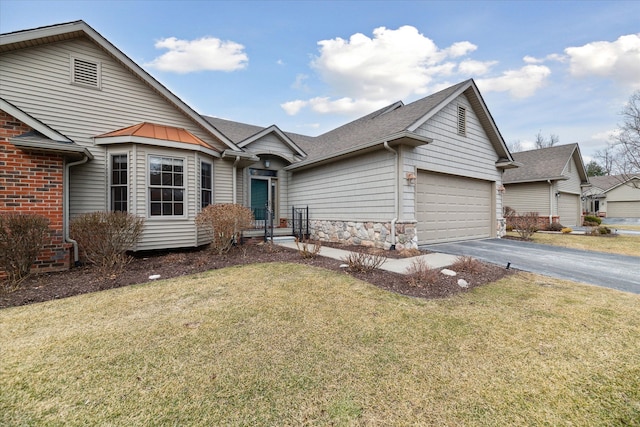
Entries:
{"x":549,"y":181}
{"x":614,"y":196}
{"x":99,"y":133}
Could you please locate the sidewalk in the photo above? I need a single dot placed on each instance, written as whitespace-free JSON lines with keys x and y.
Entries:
{"x":396,"y":265}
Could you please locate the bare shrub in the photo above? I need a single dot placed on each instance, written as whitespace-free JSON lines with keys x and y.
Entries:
{"x":307,"y":248}
{"x":526,"y":224}
{"x":467,"y":264}
{"x":555,"y":226}
{"x":409,"y":252}
{"x":105,"y":237}
{"x":224,"y":222}
{"x":420,"y":274}
{"x":21,"y":240}
{"x":364,"y":262}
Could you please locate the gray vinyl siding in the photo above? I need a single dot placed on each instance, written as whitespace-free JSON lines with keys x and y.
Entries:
{"x":528,"y":197}
{"x":270,"y":144}
{"x":572,"y":185}
{"x":356,"y":189}
{"x":37,"y":80}
{"x":625,"y":192}
{"x":222,"y":181}
{"x":470,"y":156}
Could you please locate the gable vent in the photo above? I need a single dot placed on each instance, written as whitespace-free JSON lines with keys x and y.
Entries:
{"x":462,"y":121}
{"x":86,"y":73}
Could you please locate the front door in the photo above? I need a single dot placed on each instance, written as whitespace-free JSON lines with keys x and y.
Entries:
{"x":263,"y":194}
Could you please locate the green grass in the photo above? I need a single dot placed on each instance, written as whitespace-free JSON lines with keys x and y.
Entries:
{"x":285,"y":344}
{"x":623,"y":244}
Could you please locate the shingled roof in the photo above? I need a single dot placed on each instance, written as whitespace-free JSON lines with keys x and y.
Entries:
{"x":544,"y":164}
{"x":608,"y":182}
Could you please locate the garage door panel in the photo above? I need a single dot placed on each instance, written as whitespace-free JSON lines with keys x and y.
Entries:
{"x":623,"y":209}
{"x":451,"y":208}
{"x":568,"y":209}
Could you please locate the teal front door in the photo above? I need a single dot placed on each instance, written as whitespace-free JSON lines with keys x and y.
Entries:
{"x":259,"y":197}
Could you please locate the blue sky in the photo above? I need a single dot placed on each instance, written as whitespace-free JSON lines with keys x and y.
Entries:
{"x":555,"y":67}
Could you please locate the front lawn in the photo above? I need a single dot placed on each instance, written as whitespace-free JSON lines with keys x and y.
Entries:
{"x":288,"y":344}
{"x":623,"y":244}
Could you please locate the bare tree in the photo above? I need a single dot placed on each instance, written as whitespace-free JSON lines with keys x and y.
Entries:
{"x":606,"y":158}
{"x":541,"y":142}
{"x":627,"y":141}
{"x":515,"y":146}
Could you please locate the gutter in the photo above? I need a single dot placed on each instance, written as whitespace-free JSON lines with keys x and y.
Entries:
{"x":550,"y":201}
{"x":396,"y":194}
{"x":234,"y":183}
{"x":65,"y":214}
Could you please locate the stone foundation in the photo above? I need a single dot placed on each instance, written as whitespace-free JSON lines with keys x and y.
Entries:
{"x":372,"y":234}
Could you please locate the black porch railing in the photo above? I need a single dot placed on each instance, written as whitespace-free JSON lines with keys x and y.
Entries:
{"x":300,"y":222}
{"x":263,"y":218}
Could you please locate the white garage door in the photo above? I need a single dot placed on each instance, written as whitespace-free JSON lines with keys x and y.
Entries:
{"x":623,"y":209}
{"x":452,"y":208}
{"x":568,"y":209}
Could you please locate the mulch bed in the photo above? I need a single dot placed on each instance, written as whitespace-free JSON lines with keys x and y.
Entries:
{"x":85,"y":279}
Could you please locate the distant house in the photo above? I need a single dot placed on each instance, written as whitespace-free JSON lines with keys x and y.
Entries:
{"x":614,"y":196}
{"x":550,"y":182}
{"x":86,"y":129}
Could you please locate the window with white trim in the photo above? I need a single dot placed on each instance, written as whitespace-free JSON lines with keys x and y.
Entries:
{"x":206,"y":184}
{"x":119,"y":182}
{"x":166,"y":186}
{"x":462,"y":120}
{"x":85,"y":72}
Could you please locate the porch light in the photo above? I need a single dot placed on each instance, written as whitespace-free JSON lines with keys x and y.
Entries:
{"x":267,"y":163}
{"x":411,"y":178}
{"x":501,"y":189}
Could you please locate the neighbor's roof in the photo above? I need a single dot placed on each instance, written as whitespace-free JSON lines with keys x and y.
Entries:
{"x":156,"y":131}
{"x":55,"y":33}
{"x":544,"y":164}
{"x":608,"y":182}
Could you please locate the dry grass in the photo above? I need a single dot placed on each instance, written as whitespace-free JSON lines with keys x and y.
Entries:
{"x":285,"y":344}
{"x":622,"y":244}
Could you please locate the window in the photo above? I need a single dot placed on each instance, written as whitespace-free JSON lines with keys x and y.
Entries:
{"x":85,"y":72}
{"x":462,"y":120}
{"x":166,"y":186}
{"x":119,"y":187}
{"x":206,"y":184}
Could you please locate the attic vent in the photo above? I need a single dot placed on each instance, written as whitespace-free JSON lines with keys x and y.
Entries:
{"x":462,"y":120}
{"x":86,"y":73}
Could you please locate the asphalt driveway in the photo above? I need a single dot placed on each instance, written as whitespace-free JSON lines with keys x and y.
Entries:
{"x":602,"y":269}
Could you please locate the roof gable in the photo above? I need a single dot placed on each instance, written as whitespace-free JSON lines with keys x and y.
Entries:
{"x":243,"y":135}
{"x":609,"y":182}
{"x":49,"y":34}
{"x":545,"y":164}
{"x":400,"y":119}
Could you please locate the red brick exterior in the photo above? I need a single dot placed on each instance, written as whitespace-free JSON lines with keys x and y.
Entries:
{"x":32,"y":183}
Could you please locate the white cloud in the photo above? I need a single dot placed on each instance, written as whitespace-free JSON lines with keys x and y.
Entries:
{"x":300,"y":82}
{"x":204,"y":54}
{"x":472,"y":67}
{"x":391,"y":65}
{"x":293,"y":107}
{"x":520,"y":83}
{"x":551,"y":57}
{"x":619,"y":60}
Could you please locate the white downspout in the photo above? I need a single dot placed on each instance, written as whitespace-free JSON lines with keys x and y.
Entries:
{"x":550,"y":201}
{"x":234,"y":185}
{"x":396,"y":194}
{"x":65,"y":214}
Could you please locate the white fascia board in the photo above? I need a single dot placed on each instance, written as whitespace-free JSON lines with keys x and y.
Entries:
{"x":369,"y":146}
{"x":283,"y":137}
{"x":33,"y":123}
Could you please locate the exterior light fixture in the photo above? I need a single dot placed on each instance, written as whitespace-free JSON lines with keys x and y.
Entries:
{"x":267,"y":163}
{"x":411,"y":178}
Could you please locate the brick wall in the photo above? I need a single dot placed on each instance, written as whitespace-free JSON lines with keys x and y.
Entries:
{"x":31,"y":182}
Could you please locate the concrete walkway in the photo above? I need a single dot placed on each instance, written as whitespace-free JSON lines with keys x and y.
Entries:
{"x":396,"y":265}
